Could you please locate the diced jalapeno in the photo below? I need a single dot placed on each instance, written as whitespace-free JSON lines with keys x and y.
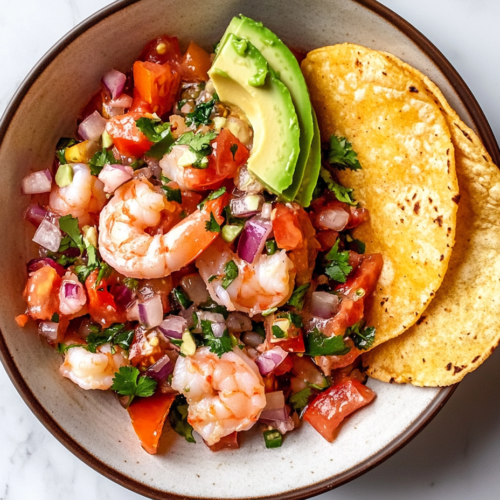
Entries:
{"x":273,"y":439}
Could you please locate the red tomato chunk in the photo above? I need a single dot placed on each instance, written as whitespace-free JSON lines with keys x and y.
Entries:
{"x":331,"y":407}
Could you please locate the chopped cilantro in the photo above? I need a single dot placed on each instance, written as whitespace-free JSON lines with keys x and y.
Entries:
{"x":299,"y":296}
{"x":295,"y":319}
{"x":218,"y":345}
{"x":199,"y":144}
{"x":212,"y":225}
{"x":137,"y":164}
{"x":363,"y":338}
{"x":172,"y":194}
{"x":318,"y":344}
{"x":131,"y":283}
{"x":259,"y":328}
{"x":213,"y":277}
{"x":355,"y":245}
{"x":157,"y":132}
{"x":271,"y":247}
{"x":278,"y":332}
{"x":128,"y":383}
{"x":181,"y":298}
{"x":100,"y":159}
{"x":337,"y":267}
{"x":231,"y":220}
{"x":177,"y":416}
{"x":212,"y":306}
{"x":62,"y":144}
{"x":341,"y":155}
{"x":201,"y":113}
{"x":231,"y":270}
{"x":212,"y":196}
{"x":300,"y":399}
{"x":55,"y":318}
{"x":341,"y":193}
{"x":69,"y":225}
{"x":233,"y":149}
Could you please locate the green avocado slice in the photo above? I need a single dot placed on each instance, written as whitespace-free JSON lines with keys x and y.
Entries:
{"x":313,"y":167}
{"x":242,"y":77}
{"x":284,"y":63}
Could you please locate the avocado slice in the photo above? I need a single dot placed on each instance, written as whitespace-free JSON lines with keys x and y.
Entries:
{"x":311,"y":172}
{"x":283,"y":62}
{"x":242,"y":77}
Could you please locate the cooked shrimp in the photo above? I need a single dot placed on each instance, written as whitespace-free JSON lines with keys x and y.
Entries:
{"x":82,"y":198}
{"x":93,"y":370}
{"x":265,"y":284}
{"x":125,"y":244}
{"x":224,"y":395}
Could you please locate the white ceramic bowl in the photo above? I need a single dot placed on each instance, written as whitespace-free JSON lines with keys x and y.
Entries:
{"x":92,"y":424}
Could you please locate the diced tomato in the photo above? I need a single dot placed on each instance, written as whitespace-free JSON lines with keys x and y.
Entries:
{"x":101,"y":304}
{"x":306,"y":370}
{"x":357,"y":216}
{"x":229,"y":442}
{"x":331,"y":407}
{"x":148,"y":416}
{"x":157,"y":84}
{"x":139,"y":105}
{"x":355,"y":260}
{"x":350,"y":313}
{"x":329,"y":363}
{"x":161,"y":50}
{"x":327,"y":239}
{"x":195,"y":64}
{"x":294,"y":344}
{"x":128,"y":139}
{"x":22,"y":319}
{"x":286,"y":227}
{"x":269,"y":383}
{"x":365,"y":278}
{"x":42,"y":293}
{"x":284,"y":367}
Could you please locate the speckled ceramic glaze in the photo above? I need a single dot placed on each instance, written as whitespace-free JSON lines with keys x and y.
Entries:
{"x":92,"y":424}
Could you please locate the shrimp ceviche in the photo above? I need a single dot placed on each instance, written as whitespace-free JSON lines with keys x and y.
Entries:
{"x":196,"y":247}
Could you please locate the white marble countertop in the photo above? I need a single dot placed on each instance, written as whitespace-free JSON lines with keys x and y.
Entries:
{"x":455,"y":457}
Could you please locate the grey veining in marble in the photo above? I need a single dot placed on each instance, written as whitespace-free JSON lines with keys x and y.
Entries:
{"x":455,"y":457}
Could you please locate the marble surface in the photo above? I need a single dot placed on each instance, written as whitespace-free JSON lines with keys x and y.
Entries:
{"x":455,"y":457}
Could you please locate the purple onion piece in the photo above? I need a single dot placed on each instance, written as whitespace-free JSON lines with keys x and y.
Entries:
{"x":37,"y":182}
{"x":324,"y":305}
{"x":48,"y":330}
{"x":270,"y":360}
{"x":71,"y":290}
{"x":173,"y":327}
{"x":113,"y":176}
{"x":151,"y":312}
{"x":124,"y":101}
{"x":218,"y":329}
{"x":35,"y":264}
{"x":334,"y":218}
{"x":274,"y":400}
{"x":115,"y":82}
{"x":253,"y":238}
{"x":48,"y":236}
{"x":123,"y":296}
{"x":35,"y":214}
{"x":247,"y":205}
{"x":276,"y":414}
{"x":283,"y":426}
{"x":161,"y":369}
{"x":92,"y":127}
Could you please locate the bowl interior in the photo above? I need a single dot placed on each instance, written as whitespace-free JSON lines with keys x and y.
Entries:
{"x":94,"y":420}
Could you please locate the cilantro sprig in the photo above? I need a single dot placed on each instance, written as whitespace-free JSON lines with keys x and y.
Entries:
{"x":212,"y":196}
{"x":177,"y":416}
{"x":363,"y":338}
{"x":341,"y":155}
{"x":231,"y":273}
{"x":300,"y":399}
{"x":199,"y":144}
{"x":62,"y":144}
{"x":337,"y":267}
{"x":201,"y":114}
{"x":212,"y":225}
{"x":101,"y":158}
{"x":157,"y":132}
{"x":341,"y":193}
{"x":299,"y":296}
{"x":218,"y":345}
{"x":127,"y":382}
{"x":318,"y":344}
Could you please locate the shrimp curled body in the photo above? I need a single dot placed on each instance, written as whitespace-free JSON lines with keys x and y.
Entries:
{"x":224,"y":394}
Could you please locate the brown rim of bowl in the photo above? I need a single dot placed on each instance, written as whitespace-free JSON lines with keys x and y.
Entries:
{"x":30,"y":399}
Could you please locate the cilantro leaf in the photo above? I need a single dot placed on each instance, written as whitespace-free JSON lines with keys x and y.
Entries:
{"x":181,"y":298}
{"x":233,"y":149}
{"x":201,"y":114}
{"x":116,"y":334}
{"x":318,"y":344}
{"x":363,"y":338}
{"x":337,"y":268}
{"x":156,"y":132}
{"x":218,"y":345}
{"x":212,"y":225}
{"x":231,"y":270}
{"x":127,"y":382}
{"x":172,"y":194}
{"x":177,"y":416}
{"x":62,"y":144}
{"x":295,"y":319}
{"x":100,"y":159}
{"x":299,"y":296}
{"x":131,"y":283}
{"x":356,"y":245}
{"x":69,"y":225}
{"x":231,"y":220}
{"x":341,"y":155}
{"x":213,"y":278}
{"x":341,"y":193}
{"x":212,"y":196}
{"x":300,"y":399}
{"x":199,"y":144}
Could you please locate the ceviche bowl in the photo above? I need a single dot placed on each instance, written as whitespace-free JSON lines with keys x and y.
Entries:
{"x":90,"y":423}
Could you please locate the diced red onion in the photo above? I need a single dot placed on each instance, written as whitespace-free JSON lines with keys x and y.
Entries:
{"x":151,"y":312}
{"x":48,"y":236}
{"x":48,"y":330}
{"x":270,"y":360}
{"x":195,"y":288}
{"x":238,"y":322}
{"x":123,"y":295}
{"x":72,"y":296}
{"x":267,"y":208}
{"x":145,"y":172}
{"x":335,"y":218}
{"x":124,"y":101}
{"x":252,"y":339}
{"x":37,"y":182}
{"x":161,"y":369}
{"x":35,"y":264}
{"x":92,"y":127}
{"x":115,"y":82}
{"x":324,"y":305}
{"x":218,"y":329}
{"x":113,"y":176}
{"x":35,"y":214}
{"x":248,"y":205}
{"x":214,"y":318}
{"x":187,"y":314}
{"x":274,"y":401}
{"x":173,"y":326}
{"x":253,"y":238}
{"x":283,"y":426}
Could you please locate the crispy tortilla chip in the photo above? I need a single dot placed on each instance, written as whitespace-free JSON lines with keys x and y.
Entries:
{"x":461,"y":327}
{"x":408,"y":180}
